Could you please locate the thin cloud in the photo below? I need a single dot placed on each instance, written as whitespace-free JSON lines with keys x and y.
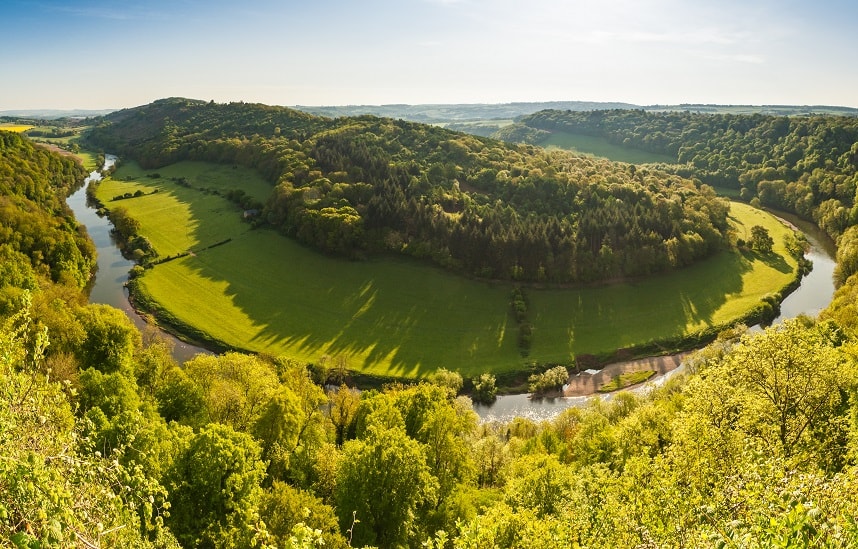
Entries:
{"x":749,"y":58}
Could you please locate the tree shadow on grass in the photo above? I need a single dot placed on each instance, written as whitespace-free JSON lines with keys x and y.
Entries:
{"x":772,"y":259}
{"x":662,"y":308}
{"x":403,"y":318}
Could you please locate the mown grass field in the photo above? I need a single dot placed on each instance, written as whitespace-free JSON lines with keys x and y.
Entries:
{"x":176,"y":218}
{"x":264,"y":292}
{"x":599,"y":146}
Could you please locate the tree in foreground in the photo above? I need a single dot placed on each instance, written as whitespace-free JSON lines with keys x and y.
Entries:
{"x":214,"y":489}
{"x":382,"y":482}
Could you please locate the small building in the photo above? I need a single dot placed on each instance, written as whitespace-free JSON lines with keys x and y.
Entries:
{"x":250,"y":214}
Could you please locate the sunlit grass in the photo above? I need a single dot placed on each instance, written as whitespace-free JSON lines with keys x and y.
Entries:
{"x":264,"y":292}
{"x":599,"y":146}
{"x":626,"y":380}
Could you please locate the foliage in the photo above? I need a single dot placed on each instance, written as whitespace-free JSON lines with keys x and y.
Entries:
{"x":550,"y":380}
{"x":215,"y":491}
{"x":356,"y":185}
{"x":55,"y":488}
{"x":34,"y":220}
{"x":452,"y":381}
{"x":804,"y":164}
{"x":285,"y":508}
{"x":485,"y":388}
{"x":383,"y":480}
{"x":761,"y":241}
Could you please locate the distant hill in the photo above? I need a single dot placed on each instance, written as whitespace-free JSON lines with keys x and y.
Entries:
{"x":464,"y":112}
{"x":439,"y":113}
{"x":450,"y":114}
{"x":53,"y":114}
{"x":777,"y":110}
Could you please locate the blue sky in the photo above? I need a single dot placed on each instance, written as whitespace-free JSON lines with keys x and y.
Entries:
{"x":94,"y":54}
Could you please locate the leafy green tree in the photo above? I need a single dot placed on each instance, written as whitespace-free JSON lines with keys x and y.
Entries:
{"x":552,"y":379}
{"x":485,"y":388}
{"x":235,"y":387}
{"x":794,"y":386}
{"x":383,"y":481}
{"x":343,"y":408}
{"x":448,"y":379}
{"x":180,"y":399}
{"x":284,"y":507}
{"x":761,"y":241}
{"x":110,"y":342}
{"x":215,"y":492}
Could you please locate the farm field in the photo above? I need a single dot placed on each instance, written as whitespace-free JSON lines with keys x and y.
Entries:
{"x":12,"y":127}
{"x":599,"y":146}
{"x":396,"y":317}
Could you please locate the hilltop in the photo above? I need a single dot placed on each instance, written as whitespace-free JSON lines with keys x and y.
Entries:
{"x":357,"y":186}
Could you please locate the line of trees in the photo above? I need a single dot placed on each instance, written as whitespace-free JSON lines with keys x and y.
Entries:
{"x":803,"y":164}
{"x":355,"y":186}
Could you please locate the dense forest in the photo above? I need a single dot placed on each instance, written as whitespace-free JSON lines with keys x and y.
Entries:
{"x":804,"y":164}
{"x":106,"y":442}
{"x":362,"y":185}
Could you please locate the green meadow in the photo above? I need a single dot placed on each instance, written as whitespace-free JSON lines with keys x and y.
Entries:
{"x":263,"y":292}
{"x":599,"y":146}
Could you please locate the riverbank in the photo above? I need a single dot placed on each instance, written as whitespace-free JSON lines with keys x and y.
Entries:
{"x":579,"y":385}
{"x":589,"y":382}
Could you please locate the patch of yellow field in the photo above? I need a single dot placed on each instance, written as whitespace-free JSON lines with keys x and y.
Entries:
{"x":17,"y":128}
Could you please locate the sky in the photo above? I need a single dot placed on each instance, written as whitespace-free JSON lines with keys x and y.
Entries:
{"x":107,"y":54}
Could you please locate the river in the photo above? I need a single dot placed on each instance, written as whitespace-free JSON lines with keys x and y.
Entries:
{"x":112,"y":274}
{"x":814,"y":294}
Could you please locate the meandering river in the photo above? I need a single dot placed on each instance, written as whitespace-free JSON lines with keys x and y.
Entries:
{"x":814,"y":294}
{"x":112,"y":274}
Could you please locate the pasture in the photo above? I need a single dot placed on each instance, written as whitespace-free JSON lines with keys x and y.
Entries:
{"x":599,"y":146}
{"x":390,"y":316}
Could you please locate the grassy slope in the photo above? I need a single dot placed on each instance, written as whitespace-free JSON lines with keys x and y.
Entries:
{"x":599,"y":146}
{"x":264,"y":292}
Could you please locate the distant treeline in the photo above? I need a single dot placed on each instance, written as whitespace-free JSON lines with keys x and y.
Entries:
{"x":354,"y":186}
{"x":803,"y":164}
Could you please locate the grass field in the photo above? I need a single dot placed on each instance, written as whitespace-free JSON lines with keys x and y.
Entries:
{"x":89,"y":159}
{"x":264,"y":292}
{"x":626,"y":380}
{"x":599,"y":146}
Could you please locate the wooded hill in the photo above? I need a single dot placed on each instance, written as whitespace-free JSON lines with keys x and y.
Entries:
{"x":38,"y":234}
{"x":363,"y":185}
{"x":803,"y":164}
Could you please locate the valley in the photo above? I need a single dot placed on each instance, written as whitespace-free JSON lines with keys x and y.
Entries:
{"x":394,"y":317}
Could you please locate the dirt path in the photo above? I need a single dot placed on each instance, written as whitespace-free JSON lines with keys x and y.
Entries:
{"x":589,"y":381}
